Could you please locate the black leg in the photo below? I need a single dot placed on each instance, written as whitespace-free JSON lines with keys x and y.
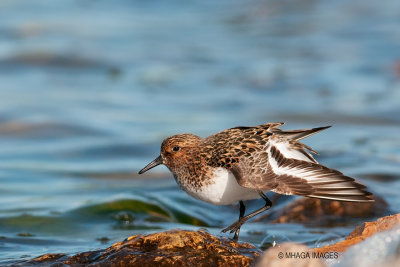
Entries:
{"x":242,"y":210}
{"x":236,"y":225}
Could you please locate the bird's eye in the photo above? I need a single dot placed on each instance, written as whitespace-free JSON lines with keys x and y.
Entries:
{"x":175,"y":148}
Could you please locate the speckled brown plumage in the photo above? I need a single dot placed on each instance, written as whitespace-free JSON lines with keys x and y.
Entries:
{"x":261,"y":159}
{"x":224,"y":149}
{"x":247,"y":153}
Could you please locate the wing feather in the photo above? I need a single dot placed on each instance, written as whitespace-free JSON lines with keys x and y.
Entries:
{"x":298,"y":177}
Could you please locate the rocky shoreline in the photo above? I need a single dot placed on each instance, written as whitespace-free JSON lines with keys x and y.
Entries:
{"x":200,"y":248}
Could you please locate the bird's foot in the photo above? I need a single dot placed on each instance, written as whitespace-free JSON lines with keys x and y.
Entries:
{"x":234,"y":227}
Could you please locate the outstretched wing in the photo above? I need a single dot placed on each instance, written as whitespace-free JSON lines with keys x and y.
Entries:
{"x":271,"y":170}
{"x":267,"y":158}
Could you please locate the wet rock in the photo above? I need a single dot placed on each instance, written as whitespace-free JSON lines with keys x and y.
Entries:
{"x":327,"y":212}
{"x":47,"y":259}
{"x":171,"y":248}
{"x":362,"y":232}
{"x":289,"y":254}
{"x":381,"y":249}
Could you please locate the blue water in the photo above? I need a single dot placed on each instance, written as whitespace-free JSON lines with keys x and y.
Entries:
{"x":88,"y":90}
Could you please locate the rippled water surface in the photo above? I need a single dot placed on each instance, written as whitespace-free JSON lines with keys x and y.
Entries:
{"x":88,"y":89}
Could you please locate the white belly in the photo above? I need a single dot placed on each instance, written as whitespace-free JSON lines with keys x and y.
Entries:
{"x":224,"y":190}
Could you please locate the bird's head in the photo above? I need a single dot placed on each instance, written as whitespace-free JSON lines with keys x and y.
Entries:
{"x":176,"y":152}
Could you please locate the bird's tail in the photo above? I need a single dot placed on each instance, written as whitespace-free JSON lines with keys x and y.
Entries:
{"x":298,"y":134}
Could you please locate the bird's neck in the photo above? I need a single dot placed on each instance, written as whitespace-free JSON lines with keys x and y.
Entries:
{"x":192,"y":173}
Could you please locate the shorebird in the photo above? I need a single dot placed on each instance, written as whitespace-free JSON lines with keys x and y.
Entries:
{"x":244,"y":163}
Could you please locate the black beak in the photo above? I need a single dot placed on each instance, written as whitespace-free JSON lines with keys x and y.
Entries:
{"x":151,"y":165}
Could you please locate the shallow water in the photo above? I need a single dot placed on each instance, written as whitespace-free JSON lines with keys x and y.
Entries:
{"x":88,"y":89}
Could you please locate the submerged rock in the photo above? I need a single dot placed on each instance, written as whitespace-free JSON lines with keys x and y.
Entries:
{"x":362,"y":232}
{"x":327,"y":212}
{"x":175,"y":247}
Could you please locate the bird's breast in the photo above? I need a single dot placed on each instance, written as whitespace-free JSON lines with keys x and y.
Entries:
{"x":219,"y":187}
